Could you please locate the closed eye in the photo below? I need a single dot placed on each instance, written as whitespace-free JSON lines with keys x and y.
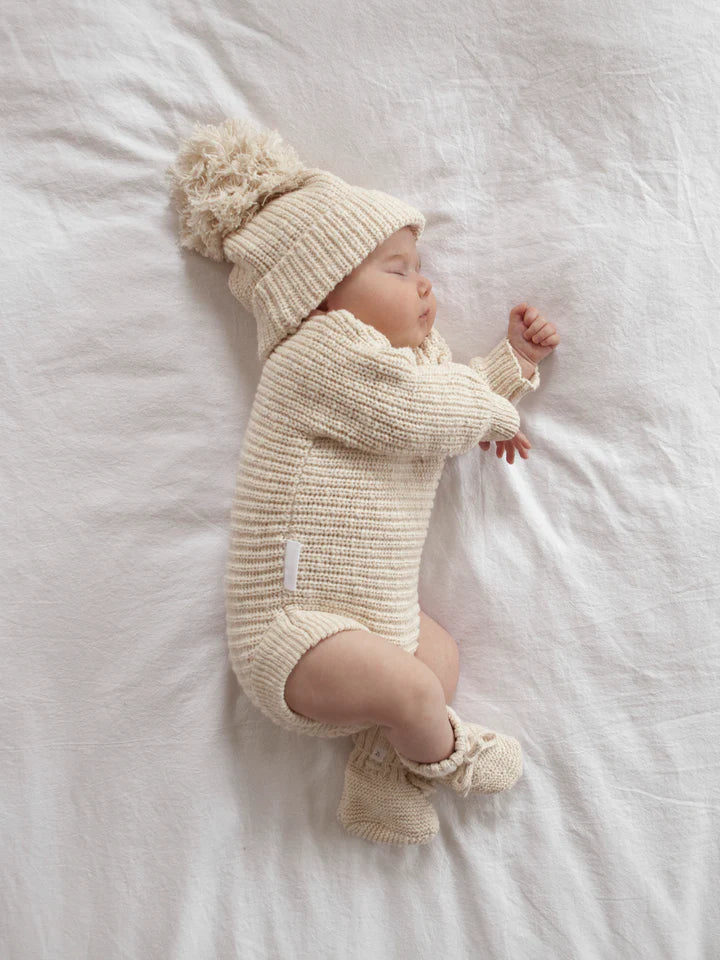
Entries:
{"x":406,"y":260}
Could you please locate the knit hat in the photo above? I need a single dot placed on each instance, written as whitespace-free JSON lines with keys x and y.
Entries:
{"x":293,"y":232}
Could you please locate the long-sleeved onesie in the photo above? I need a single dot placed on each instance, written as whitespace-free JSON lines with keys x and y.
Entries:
{"x":341,"y":459}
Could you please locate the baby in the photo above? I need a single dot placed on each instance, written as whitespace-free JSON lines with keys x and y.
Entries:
{"x":358,"y":406}
{"x":355,"y":676}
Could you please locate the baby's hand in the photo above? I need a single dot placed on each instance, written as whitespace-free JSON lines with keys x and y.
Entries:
{"x":530,"y":335}
{"x":508,"y":447}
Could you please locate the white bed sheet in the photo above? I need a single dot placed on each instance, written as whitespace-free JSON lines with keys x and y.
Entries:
{"x":564,"y":154}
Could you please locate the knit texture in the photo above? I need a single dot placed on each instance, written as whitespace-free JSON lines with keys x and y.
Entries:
{"x":482,"y":760}
{"x":302,"y":244}
{"x":340,"y":463}
{"x":382,"y":801}
{"x":293,"y":232}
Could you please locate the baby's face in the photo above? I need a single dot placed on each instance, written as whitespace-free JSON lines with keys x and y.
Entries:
{"x":388,"y":292}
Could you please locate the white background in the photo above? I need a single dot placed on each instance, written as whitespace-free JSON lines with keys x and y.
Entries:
{"x":565,"y":154}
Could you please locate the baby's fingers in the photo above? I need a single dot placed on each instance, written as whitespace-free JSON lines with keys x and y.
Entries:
{"x":518,"y":311}
{"x":508,"y":447}
{"x":520,"y":443}
{"x":535,"y":328}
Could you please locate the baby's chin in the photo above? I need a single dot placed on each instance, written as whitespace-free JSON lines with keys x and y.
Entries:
{"x":424,"y":332}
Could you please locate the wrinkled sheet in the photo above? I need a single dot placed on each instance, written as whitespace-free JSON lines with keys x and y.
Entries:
{"x":564,"y":154}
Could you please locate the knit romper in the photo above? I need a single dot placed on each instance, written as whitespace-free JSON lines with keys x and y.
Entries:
{"x":342,"y":456}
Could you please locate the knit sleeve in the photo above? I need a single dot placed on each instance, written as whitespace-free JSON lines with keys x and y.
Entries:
{"x":332,"y":381}
{"x":502,"y":372}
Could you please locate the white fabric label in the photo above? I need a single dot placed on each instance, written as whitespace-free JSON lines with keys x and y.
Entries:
{"x":292,"y":555}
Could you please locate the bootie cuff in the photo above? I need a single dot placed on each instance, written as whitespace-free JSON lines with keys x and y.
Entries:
{"x":441,"y":768}
{"x":373,"y":751}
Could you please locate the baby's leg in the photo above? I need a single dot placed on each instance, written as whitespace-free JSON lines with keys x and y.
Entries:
{"x":356,"y":676}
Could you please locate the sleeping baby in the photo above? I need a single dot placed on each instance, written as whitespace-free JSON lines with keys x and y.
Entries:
{"x":358,"y":406}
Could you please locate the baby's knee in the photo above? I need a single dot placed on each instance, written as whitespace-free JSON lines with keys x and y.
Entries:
{"x":423,"y":694}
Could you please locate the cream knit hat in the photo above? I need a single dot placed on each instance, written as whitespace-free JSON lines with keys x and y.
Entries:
{"x":293,"y":232}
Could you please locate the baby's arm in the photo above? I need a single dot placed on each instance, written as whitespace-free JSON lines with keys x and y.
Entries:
{"x":364,"y":393}
{"x":506,"y":373}
{"x":527,"y":369}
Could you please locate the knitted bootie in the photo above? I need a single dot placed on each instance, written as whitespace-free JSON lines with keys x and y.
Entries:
{"x":482,"y":760}
{"x":382,"y":801}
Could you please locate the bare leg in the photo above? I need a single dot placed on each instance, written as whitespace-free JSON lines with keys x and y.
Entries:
{"x":428,"y":736}
{"x":439,"y":651}
{"x":355,"y":676}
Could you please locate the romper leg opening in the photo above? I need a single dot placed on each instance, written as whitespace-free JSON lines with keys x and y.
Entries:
{"x":290,"y":635}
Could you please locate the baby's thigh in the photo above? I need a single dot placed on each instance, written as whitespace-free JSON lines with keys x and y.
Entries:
{"x":355,"y":676}
{"x":264,"y":663}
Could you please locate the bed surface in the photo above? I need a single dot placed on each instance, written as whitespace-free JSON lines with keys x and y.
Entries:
{"x":566,"y":156}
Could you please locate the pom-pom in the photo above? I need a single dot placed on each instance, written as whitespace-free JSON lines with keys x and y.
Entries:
{"x":223,"y":175}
